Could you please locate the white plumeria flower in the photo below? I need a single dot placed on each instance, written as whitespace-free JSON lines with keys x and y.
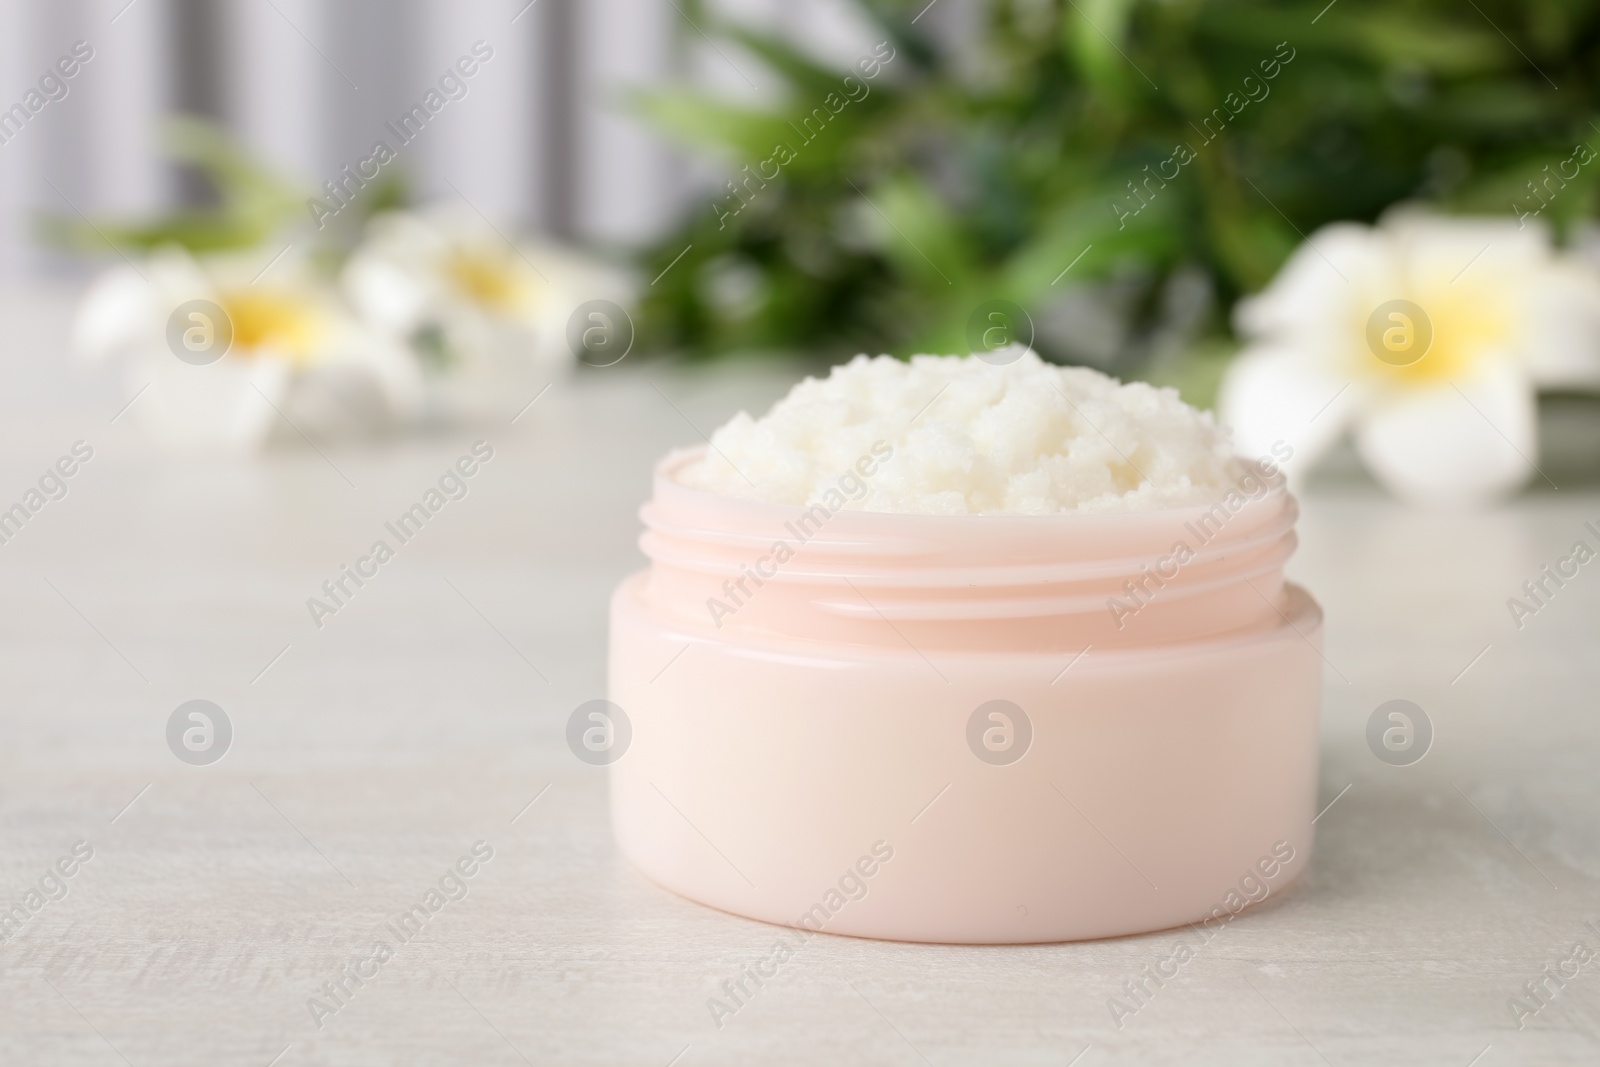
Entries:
{"x":1427,"y":337}
{"x":295,"y":353}
{"x":486,"y":315}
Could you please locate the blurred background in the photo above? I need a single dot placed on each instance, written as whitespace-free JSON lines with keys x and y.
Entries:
{"x":307,"y":86}
{"x":549,"y":140}
{"x":1111,"y":181}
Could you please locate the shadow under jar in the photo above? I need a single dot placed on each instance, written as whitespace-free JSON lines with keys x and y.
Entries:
{"x":937,"y":728}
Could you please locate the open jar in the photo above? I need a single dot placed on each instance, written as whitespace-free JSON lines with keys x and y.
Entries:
{"x":976,"y":729}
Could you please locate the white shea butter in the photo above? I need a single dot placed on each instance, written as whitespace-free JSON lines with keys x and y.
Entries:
{"x":968,"y":437}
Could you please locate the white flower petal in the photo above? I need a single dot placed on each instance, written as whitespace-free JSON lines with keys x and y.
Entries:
{"x":1457,"y":443}
{"x":1270,"y":397}
{"x":1311,"y":300}
{"x":1457,"y":240}
{"x":116,"y":310}
{"x":220,"y":405}
{"x":386,"y":294}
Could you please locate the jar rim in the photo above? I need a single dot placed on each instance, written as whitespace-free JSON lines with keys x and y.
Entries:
{"x":1019,"y":579}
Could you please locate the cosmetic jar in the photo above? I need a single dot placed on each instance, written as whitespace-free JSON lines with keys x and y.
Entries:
{"x":972,"y":729}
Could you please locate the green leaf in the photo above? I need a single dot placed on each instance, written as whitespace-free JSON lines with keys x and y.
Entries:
{"x":255,"y":203}
{"x":1097,"y":37}
{"x":808,"y":79}
{"x":743,"y":134}
{"x":916,"y":232}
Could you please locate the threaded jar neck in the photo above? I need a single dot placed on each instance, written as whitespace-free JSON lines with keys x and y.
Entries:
{"x":1006,"y":583}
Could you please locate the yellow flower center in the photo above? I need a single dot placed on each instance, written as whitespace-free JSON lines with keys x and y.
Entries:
{"x":1458,"y":323}
{"x":485,"y":278}
{"x":1467,"y":325}
{"x":276,"y":319}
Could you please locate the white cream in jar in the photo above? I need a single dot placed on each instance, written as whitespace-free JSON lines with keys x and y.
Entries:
{"x":1019,"y":436}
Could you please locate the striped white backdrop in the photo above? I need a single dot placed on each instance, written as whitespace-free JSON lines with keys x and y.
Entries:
{"x":543,"y":139}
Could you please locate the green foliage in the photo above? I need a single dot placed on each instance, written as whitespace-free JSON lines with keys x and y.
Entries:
{"x":980,"y":168}
{"x":254,"y":205}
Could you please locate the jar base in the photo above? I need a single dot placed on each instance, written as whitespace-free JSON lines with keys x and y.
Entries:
{"x":848,"y":791}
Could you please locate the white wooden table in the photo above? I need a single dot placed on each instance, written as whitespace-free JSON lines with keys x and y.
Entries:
{"x":428,"y":714}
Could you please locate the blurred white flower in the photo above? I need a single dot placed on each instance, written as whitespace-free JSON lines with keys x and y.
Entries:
{"x":486,"y":317}
{"x":1425,"y":336}
{"x":296,"y":352}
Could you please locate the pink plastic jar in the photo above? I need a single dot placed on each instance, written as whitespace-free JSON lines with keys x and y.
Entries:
{"x":898,"y":732}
